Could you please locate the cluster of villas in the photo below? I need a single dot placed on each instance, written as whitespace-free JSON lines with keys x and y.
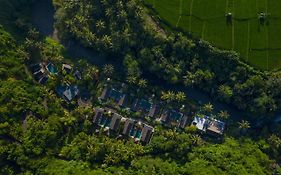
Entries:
{"x":108,"y":120}
{"x":42,"y":70}
{"x":158,"y":112}
{"x":68,"y":92}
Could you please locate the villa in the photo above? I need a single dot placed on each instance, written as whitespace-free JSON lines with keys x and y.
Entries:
{"x":129,"y":124}
{"x":67,"y":68}
{"x":146,"y":107}
{"x":67,"y":92}
{"x":116,"y":96}
{"x":209,"y":125}
{"x":77,"y":75}
{"x":171,"y":117}
{"x":115,"y":122}
{"x":147,"y":132}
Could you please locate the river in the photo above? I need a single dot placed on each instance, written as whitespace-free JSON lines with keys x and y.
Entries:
{"x":43,"y":20}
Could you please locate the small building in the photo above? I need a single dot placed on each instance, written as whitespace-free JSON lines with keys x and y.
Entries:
{"x":117,"y":96}
{"x":141,"y":105}
{"x":67,"y":68}
{"x":102,"y":117}
{"x":67,"y":92}
{"x":43,"y":79}
{"x":146,"y":107}
{"x":154,"y":110}
{"x":77,"y":75}
{"x":171,"y":116}
{"x":38,"y":75}
{"x":36,"y":67}
{"x":183,"y":122}
{"x":98,"y":115}
{"x":136,"y":131}
{"x":209,"y":125}
{"x":129,"y":124}
{"x":147,"y":132}
{"x":115,"y":122}
{"x":105,"y":94}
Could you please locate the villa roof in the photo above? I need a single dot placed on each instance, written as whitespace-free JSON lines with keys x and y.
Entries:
{"x":216,"y":126}
{"x":129,"y":124}
{"x":171,"y":115}
{"x":97,"y":116}
{"x":38,"y":75}
{"x":104,"y":94}
{"x":77,"y":75}
{"x":208,"y":124}
{"x":200,"y":123}
{"x":70,"y":92}
{"x":115,"y":122}
{"x":44,"y":79}
{"x":147,"y":132}
{"x":67,"y":67}
{"x":142,"y":105}
{"x":183,"y":122}
{"x":36,"y":67}
{"x":117,"y":96}
{"x":153,"y":110}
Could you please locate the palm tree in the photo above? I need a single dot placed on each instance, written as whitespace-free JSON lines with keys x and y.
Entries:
{"x":122,"y":15}
{"x":223,"y":115}
{"x":132,"y":80}
{"x":142,"y":83}
{"x":107,"y":41}
{"x":108,"y":12}
{"x":93,"y":73}
{"x":244,"y":125}
{"x":274,"y":141}
{"x":100,"y":25}
{"x":196,"y":139}
{"x":180,"y":96}
{"x":208,"y":108}
{"x":168,"y":96}
{"x":108,"y":69}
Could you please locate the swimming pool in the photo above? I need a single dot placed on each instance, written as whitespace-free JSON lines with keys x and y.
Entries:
{"x":51,"y":68}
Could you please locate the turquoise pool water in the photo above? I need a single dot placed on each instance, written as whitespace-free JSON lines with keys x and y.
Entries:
{"x":52,"y":69}
{"x":138,"y":134}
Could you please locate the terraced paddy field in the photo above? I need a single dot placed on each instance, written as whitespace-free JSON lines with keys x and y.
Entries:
{"x":256,"y":38}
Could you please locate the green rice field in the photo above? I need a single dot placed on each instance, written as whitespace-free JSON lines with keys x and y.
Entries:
{"x":259,"y":43}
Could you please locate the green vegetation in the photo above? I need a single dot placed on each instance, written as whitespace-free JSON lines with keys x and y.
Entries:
{"x":42,"y":134}
{"x":255,"y":38}
{"x":122,"y":31}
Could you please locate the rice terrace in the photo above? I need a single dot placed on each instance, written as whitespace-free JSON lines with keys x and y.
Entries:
{"x":250,"y":27}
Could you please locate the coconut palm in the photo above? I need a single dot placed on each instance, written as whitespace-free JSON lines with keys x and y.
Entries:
{"x":180,"y":96}
{"x":223,"y":115}
{"x":244,"y":125}
{"x":100,"y":25}
{"x":132,"y":80}
{"x":93,"y":73}
{"x":108,"y":12}
{"x":142,"y":83}
{"x":208,"y":107}
{"x":196,"y":139}
{"x":107,"y":41}
{"x":168,"y":96}
{"x":108,"y":69}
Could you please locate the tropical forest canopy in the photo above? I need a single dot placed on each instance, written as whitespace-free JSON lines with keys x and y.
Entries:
{"x":41,"y":134}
